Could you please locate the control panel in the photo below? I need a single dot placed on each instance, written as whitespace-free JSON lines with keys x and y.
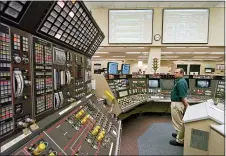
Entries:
{"x":21,"y":78}
{"x":138,"y":86}
{"x":220,"y":90}
{"x":87,"y":130}
{"x":42,"y":77}
{"x":128,"y":102}
{"x":6,"y":106}
{"x":202,"y":88}
{"x":166,"y":86}
{"x":80,"y":87}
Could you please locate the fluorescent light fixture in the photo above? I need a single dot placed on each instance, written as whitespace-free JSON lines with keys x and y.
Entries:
{"x":167,"y":52}
{"x":176,"y":47}
{"x":198,"y":47}
{"x":142,"y":56}
{"x":101,"y":52}
{"x":118,"y":56}
{"x":200,"y":53}
{"x":217,"y":53}
{"x":182,"y":52}
{"x":145,"y":53}
{"x":171,"y":56}
{"x":198,"y":57}
{"x":133,"y":53}
{"x":212,"y":57}
{"x":96,"y":56}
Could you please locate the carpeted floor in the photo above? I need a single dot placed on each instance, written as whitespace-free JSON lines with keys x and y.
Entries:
{"x":155,"y":141}
{"x":134,"y":127}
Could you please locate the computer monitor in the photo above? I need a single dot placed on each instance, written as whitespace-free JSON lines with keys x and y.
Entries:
{"x":167,"y":84}
{"x":125,"y":69}
{"x":202,"y":83}
{"x":154,"y":83}
{"x":112,"y":68}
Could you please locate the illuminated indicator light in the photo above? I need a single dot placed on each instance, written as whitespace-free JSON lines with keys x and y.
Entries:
{"x":58,"y":36}
{"x":71,"y":14}
{"x":60,"y":3}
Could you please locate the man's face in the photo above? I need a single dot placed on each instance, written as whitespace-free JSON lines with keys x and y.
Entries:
{"x":177,"y":73}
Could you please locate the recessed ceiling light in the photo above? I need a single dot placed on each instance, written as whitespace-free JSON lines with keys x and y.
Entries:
{"x":133,"y":52}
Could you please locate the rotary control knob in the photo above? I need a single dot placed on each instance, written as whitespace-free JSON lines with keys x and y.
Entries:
{"x":27,"y":83}
{"x":25,"y":60}
{"x":19,"y":110}
{"x":17,"y":59}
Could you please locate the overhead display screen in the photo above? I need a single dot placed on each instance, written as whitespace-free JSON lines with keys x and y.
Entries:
{"x":185,"y":25}
{"x":130,"y":26}
{"x":112,"y":68}
{"x":125,"y":68}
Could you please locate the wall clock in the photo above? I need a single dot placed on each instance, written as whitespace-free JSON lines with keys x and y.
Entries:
{"x":157,"y":37}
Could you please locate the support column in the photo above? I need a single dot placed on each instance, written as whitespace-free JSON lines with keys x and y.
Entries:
{"x":154,"y":59}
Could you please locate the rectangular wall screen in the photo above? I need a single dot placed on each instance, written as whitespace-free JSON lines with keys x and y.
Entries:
{"x":185,"y":25}
{"x":130,"y":26}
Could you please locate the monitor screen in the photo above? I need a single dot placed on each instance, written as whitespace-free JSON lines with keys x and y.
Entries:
{"x":153,"y":83}
{"x":167,"y":84}
{"x":125,"y":68}
{"x":203,"y":83}
{"x":112,"y":68}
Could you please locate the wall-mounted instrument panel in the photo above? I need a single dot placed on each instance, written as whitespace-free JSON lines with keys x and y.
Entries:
{"x":42,"y":59}
{"x":42,"y":77}
{"x":220,"y":89}
{"x":138,"y":86}
{"x":84,"y":128}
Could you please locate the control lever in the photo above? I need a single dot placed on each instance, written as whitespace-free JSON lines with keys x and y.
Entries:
{"x":29,"y":120}
{"x":22,"y":124}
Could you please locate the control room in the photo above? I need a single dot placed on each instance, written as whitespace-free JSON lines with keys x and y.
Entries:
{"x":112,"y":77}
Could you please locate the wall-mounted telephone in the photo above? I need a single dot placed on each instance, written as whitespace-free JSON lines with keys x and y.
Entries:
{"x":18,"y":83}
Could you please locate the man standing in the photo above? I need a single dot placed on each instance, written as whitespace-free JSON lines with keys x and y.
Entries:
{"x":178,"y":106}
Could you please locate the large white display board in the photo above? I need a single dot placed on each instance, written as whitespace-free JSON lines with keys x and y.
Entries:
{"x":130,"y":26}
{"x":185,"y":25}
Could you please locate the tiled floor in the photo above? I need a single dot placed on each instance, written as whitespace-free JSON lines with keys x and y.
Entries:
{"x":133,"y":127}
